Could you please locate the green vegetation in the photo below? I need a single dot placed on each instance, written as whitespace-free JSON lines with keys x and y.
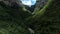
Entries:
{"x":17,"y":21}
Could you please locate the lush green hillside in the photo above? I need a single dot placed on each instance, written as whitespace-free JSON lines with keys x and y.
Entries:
{"x":49,"y":21}
{"x":17,"y":21}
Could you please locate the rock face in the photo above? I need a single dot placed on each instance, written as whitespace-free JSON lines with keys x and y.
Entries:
{"x":17,"y":3}
{"x":38,"y":5}
{"x":11,"y":3}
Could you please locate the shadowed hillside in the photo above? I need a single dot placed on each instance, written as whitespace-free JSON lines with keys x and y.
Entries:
{"x":16,"y":20}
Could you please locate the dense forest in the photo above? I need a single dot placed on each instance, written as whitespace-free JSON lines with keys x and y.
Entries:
{"x":15,"y":19}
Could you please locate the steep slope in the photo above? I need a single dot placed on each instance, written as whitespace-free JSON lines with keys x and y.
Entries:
{"x":17,"y":21}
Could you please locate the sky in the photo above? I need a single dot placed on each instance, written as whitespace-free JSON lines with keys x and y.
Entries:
{"x":28,"y":2}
